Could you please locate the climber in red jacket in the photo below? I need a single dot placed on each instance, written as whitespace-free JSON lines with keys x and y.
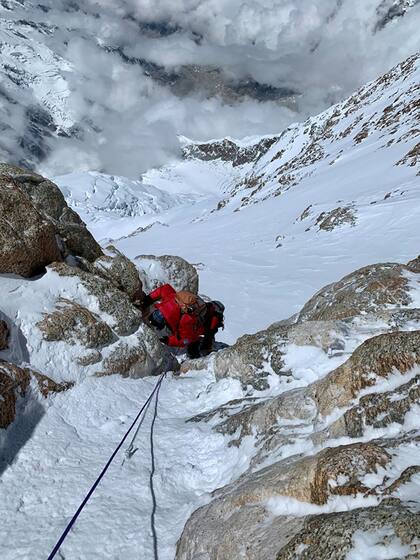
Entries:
{"x":184,"y":327}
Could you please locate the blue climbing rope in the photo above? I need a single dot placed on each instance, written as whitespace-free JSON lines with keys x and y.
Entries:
{"x":104,"y":470}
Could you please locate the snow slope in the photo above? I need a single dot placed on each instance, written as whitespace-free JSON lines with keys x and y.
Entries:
{"x":266,"y":243}
{"x":264,"y":257}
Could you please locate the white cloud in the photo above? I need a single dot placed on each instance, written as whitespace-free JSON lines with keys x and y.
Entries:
{"x":324,"y":50}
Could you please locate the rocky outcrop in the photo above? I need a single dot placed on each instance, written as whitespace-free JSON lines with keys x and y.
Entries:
{"x":227,"y":150}
{"x":377,"y":410}
{"x":74,"y":324}
{"x":96,"y":327}
{"x":253,"y":357}
{"x":27,"y":239}
{"x":327,"y":221}
{"x":117,"y":269}
{"x":14,"y":383}
{"x":414,"y":265}
{"x":241,"y":513}
{"x":50,"y":203}
{"x":167,"y":269}
{"x":366,"y":290}
{"x":4,"y":334}
{"x":139,"y":358}
{"x":262,"y":514}
{"x":376,"y":358}
{"x":125,"y":319}
{"x":49,"y":387}
{"x":302,"y":408}
{"x":332,"y":536}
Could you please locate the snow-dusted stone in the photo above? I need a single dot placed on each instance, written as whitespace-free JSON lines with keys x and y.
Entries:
{"x":300,"y":409}
{"x":4,"y":335}
{"x":377,"y":410}
{"x":167,"y":269}
{"x":125,"y":319}
{"x":414,"y":265}
{"x":366,"y":290}
{"x":49,"y":201}
{"x":327,"y":221}
{"x":224,"y":527}
{"x":119,"y":270}
{"x":333,"y":536}
{"x":253,"y":357}
{"x":376,"y":358}
{"x":74,"y":324}
{"x":141,"y":358}
{"x":27,"y":239}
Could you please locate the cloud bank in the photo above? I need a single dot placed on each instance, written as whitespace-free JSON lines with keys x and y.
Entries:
{"x":141,"y":72}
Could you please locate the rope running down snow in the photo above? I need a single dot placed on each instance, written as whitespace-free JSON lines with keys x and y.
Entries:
{"x":152,"y":474}
{"x":104,"y":470}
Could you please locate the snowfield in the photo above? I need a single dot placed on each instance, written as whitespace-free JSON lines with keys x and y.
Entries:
{"x":263,"y":254}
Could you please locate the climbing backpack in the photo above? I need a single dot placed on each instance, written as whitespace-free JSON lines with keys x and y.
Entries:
{"x":218,"y":311}
{"x":191,"y":304}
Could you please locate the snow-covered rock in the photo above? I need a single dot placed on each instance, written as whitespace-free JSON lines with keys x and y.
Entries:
{"x":241,"y":514}
{"x":364,"y":291}
{"x":167,"y":269}
{"x":117,"y":269}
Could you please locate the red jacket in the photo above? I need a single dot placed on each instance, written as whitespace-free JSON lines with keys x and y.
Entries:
{"x":185,"y":328}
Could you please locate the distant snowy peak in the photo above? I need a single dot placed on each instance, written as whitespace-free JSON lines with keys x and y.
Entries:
{"x":382,"y":118}
{"x":94,"y":194}
{"x":390,"y":10}
{"x":229,"y":150}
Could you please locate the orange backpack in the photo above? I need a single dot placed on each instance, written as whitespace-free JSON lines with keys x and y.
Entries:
{"x":191,"y":304}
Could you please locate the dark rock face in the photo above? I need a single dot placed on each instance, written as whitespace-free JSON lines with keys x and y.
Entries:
{"x":14,"y":382}
{"x":227,"y":150}
{"x":49,"y":201}
{"x":388,"y":12}
{"x":27,"y":239}
{"x":4,"y":335}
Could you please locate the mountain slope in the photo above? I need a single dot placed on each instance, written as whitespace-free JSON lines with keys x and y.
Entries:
{"x":285,"y":215}
{"x":330,"y":394}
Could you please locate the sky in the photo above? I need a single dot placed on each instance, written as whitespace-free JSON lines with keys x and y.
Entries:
{"x":128,"y":121}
